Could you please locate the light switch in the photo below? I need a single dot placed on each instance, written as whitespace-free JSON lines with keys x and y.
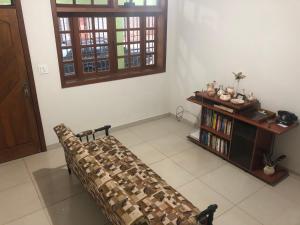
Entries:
{"x":43,"y":69}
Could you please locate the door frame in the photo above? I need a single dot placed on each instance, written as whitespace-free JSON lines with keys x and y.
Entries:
{"x":17,"y":5}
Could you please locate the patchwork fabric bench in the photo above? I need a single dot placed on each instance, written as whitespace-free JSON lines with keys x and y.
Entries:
{"x":127,"y":191}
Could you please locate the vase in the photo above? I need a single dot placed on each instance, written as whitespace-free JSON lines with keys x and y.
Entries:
{"x":269,"y":170}
{"x":211,"y":91}
{"x":230,"y":90}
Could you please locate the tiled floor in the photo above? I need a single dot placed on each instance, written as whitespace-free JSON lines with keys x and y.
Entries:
{"x":37,"y":190}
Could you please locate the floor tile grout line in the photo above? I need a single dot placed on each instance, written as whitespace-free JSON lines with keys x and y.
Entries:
{"x":234,"y":205}
{"x":64,"y":199}
{"x":211,"y":171}
{"x":16,"y":185}
{"x":250,"y":215}
{"x":211,"y":188}
{"x":21,"y":183}
{"x":32,"y":181}
{"x":196,"y":177}
{"x":225,"y":211}
{"x":169,"y":156}
{"x":249,"y":196}
{"x":182,"y":185}
{"x":10,"y":162}
{"x":238,"y":203}
{"x":45,"y":206}
{"x":21,"y":217}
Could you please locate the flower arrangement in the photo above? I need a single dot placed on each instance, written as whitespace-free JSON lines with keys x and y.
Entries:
{"x":238,"y":77}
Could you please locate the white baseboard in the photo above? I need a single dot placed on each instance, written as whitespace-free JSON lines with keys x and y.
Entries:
{"x":57,"y":145}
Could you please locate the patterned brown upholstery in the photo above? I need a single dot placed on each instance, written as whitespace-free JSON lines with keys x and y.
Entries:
{"x":127,"y":190}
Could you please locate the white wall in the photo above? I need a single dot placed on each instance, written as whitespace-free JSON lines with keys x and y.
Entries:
{"x":91,"y":106}
{"x":259,"y":37}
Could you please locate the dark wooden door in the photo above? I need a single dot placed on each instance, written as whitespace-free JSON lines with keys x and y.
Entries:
{"x":19,"y":135}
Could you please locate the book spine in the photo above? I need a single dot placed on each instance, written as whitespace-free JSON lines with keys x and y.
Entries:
{"x":229,"y":128}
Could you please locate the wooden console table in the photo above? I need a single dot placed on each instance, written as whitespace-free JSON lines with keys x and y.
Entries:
{"x":237,"y":138}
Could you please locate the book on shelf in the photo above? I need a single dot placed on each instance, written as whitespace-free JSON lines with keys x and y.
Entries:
{"x":214,"y":143}
{"x":218,"y":122}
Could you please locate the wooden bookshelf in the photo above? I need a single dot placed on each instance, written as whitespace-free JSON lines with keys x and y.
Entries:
{"x":273,"y":127}
{"x":249,"y":139}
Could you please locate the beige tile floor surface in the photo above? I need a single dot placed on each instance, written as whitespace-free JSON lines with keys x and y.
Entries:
{"x":37,"y":190}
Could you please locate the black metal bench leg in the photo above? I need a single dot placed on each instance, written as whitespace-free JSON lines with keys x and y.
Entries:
{"x":69,"y":170}
{"x":107,"y":130}
{"x":207,"y":216}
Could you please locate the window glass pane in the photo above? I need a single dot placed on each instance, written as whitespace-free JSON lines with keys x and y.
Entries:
{"x":64,"y":24}
{"x":64,"y":1}
{"x":134,"y":35}
{"x":69,"y":69}
{"x":151,"y":2}
{"x":5,"y":2}
{"x":67,"y":54}
{"x":65,"y":40}
{"x":150,"y":47}
{"x":102,"y":51}
{"x":85,"y":23}
{"x":150,"y":21}
{"x":121,"y":2}
{"x":134,"y":22}
{"x":88,"y":53}
{"x":150,"y":35}
{"x":150,"y":59}
{"x":135,"y":49}
{"x":135,"y":2}
{"x":88,"y":66}
{"x":121,"y":22}
{"x":122,"y":50}
{"x":139,"y":2}
{"x":122,"y":36}
{"x":100,"y":23}
{"x":101,"y":2}
{"x":101,"y":38}
{"x":86,"y":39}
{"x":103,"y":65}
{"x":136,"y":61}
{"x":123,"y":63}
{"x":84,"y":2}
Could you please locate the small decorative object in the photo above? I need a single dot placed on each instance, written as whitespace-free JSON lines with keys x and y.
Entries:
{"x":269,"y":170}
{"x":230,"y":90}
{"x":221,"y":91}
{"x":225,"y":97}
{"x":237,"y":101}
{"x":241,"y":97}
{"x":211,"y":91}
{"x":270,"y":164}
{"x":251,"y":97}
{"x":238,"y":77}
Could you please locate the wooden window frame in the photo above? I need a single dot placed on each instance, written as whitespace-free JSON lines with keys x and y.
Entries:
{"x":111,"y":11}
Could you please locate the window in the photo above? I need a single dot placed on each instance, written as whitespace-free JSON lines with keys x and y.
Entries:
{"x":103,"y":40}
{"x":6,"y":2}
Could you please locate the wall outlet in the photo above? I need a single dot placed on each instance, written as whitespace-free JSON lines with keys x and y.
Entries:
{"x":43,"y":69}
